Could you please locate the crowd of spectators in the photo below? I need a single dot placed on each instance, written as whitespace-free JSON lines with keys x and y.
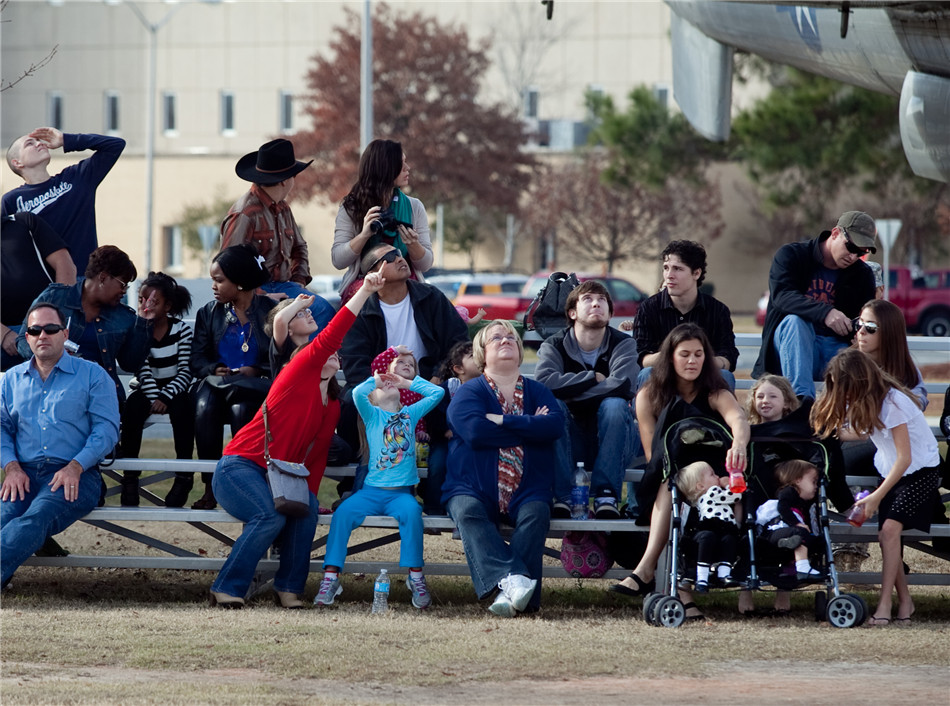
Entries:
{"x":504,"y":448}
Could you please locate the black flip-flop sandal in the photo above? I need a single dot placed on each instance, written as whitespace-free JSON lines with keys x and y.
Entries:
{"x":687,"y":606}
{"x":642,"y":589}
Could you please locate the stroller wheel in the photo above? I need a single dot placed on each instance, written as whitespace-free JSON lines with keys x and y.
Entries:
{"x":844,"y":611}
{"x":649,"y":607}
{"x":861,"y":606}
{"x":821,"y":606}
{"x":670,"y":612}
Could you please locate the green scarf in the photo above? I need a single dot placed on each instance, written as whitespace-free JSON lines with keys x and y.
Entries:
{"x":402,"y":210}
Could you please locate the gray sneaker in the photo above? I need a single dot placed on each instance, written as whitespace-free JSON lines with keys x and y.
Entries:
{"x":518,"y":589}
{"x":420,"y":592}
{"x":329,"y":590}
{"x":502,"y":606}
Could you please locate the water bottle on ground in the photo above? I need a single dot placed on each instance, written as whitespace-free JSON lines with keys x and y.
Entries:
{"x":580,"y":493}
{"x":381,"y":592}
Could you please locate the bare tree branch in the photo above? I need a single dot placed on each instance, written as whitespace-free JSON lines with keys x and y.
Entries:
{"x":32,"y":69}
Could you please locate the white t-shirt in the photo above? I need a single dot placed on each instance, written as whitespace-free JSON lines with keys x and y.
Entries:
{"x":899,"y":409}
{"x":401,"y":329}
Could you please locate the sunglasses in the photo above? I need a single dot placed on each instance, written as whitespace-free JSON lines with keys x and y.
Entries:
{"x":852,"y":248}
{"x":388,"y":257}
{"x":869,"y":326}
{"x":47,"y":328}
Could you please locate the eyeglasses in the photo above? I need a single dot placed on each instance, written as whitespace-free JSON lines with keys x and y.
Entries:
{"x":852,"y":248}
{"x":870,"y":326}
{"x":46,"y":328}
{"x":388,"y":257}
{"x":498,"y":338}
{"x":302,"y":314}
{"x":125,"y":285}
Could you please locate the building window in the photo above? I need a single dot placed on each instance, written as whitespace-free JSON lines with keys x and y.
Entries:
{"x":54,"y":109}
{"x":227,"y":112}
{"x":286,"y":111}
{"x":169,"y":114}
{"x":171,"y":236}
{"x":110,"y":110}
{"x":530,"y":97}
{"x":662,"y":94}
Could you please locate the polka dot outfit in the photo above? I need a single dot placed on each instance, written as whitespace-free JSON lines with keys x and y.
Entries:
{"x":911,"y":501}
{"x":717,"y":503}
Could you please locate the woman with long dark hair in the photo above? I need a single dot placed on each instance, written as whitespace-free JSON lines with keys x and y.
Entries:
{"x":686,"y":369}
{"x":377,"y":211}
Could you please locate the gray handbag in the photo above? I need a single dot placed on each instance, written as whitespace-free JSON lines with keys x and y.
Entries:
{"x":287,"y":480}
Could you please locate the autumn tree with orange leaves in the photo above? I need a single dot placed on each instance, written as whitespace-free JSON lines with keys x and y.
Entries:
{"x":426,"y":77}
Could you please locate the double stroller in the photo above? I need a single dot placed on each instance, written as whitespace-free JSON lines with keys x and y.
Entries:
{"x":693,"y":437}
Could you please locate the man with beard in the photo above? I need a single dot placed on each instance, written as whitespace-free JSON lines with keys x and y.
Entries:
{"x":591,"y":368}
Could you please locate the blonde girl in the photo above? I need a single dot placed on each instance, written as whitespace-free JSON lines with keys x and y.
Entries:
{"x":770,"y":399}
{"x":859,"y":401}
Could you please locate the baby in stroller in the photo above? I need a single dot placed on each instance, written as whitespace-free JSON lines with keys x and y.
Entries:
{"x":716,"y":534}
{"x":790,"y":520}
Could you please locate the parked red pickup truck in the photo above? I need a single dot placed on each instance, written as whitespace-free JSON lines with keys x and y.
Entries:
{"x":626,"y":298}
{"x":923,"y":297}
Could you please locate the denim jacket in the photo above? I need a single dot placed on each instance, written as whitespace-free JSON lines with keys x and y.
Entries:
{"x":123,"y":337}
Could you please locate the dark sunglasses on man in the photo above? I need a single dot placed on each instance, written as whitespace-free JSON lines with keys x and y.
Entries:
{"x":387,"y":257}
{"x":852,"y":248}
{"x":48,"y":329}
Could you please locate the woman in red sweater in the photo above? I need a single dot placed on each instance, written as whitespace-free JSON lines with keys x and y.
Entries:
{"x":301,"y":423}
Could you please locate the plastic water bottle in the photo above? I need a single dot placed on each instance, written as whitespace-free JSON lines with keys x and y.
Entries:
{"x":580,"y":493}
{"x":381,"y":592}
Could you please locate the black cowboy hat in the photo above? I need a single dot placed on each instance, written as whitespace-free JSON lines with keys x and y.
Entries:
{"x":271,"y":164}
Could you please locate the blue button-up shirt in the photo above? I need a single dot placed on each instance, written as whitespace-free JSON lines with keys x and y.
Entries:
{"x":72,"y":415}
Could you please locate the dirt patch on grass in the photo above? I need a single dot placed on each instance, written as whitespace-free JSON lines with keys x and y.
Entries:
{"x":735,"y":683}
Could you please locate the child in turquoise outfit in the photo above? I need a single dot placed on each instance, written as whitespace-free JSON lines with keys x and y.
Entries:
{"x":390,"y":483}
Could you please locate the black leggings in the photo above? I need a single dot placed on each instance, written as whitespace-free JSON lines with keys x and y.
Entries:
{"x":720,"y":543}
{"x":214,"y":407}
{"x":181,"y":413}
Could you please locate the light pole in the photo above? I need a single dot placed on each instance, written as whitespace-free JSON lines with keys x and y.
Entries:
{"x":151,"y":89}
{"x":366,"y":77}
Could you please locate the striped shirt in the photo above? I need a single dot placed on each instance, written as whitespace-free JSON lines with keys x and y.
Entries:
{"x":165,"y":372}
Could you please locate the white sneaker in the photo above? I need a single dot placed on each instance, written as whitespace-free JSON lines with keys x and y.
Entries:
{"x":502,"y":606}
{"x":329,"y":590}
{"x":420,"y":592}
{"x":518,"y":589}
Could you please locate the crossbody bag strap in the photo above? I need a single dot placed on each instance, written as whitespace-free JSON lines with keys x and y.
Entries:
{"x":268,"y":437}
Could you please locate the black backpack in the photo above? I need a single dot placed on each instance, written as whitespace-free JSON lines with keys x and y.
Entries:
{"x":546,"y":313}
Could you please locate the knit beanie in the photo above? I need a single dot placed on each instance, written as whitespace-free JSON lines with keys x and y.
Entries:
{"x":243,"y":265}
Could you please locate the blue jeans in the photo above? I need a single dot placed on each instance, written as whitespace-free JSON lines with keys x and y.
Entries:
{"x":490,"y":558}
{"x":25,"y":524}
{"x":606,"y":450}
{"x":241,"y":487}
{"x":400,"y":503}
{"x":727,"y":375}
{"x":321,"y":309}
{"x":804,"y":355}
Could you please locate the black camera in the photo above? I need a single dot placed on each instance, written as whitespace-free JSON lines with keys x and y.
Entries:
{"x":387,"y":221}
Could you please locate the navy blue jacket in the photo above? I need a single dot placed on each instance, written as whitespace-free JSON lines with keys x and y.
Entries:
{"x":473,"y":450}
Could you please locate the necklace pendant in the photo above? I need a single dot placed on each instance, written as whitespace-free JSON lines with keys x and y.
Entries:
{"x":245,"y":347}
